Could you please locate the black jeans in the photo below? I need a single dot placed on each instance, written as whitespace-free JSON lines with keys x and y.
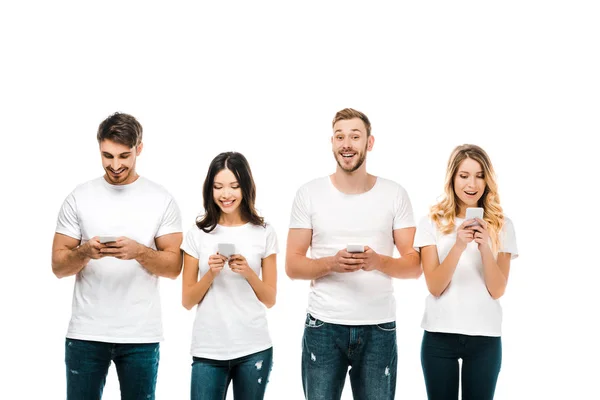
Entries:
{"x":481,"y":359}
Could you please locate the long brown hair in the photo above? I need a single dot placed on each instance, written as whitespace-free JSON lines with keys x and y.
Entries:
{"x":236,"y":163}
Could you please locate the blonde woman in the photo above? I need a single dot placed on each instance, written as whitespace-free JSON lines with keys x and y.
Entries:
{"x":466,"y":265}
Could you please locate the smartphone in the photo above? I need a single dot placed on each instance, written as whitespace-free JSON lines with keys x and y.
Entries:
{"x":355,"y":248}
{"x":226,"y":249}
{"x":474,"y":212}
{"x":107,"y":239}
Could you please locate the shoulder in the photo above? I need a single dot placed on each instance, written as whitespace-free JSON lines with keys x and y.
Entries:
{"x":194,"y":232}
{"x":88,"y":187}
{"x":426,"y":222}
{"x":158,"y":192}
{"x":508,"y":225}
{"x":313,"y":184}
{"x":391,"y":186}
{"x":150,"y":185}
{"x":265,"y":229}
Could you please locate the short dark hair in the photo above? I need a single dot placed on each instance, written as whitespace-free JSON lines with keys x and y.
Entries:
{"x":120,"y":128}
{"x":236,"y":163}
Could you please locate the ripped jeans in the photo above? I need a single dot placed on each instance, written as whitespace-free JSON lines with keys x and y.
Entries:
{"x":250,"y":374}
{"x":329,"y":349}
{"x":87,"y":365}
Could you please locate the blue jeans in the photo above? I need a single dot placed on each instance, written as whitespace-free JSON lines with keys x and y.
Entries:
{"x":481,"y":359}
{"x":250,"y":374}
{"x":329,"y":349}
{"x":87,"y":365}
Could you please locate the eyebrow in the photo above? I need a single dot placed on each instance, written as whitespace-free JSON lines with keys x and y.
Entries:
{"x":467,"y":172}
{"x":231,"y":183}
{"x":352,"y":130}
{"x":122,"y":154}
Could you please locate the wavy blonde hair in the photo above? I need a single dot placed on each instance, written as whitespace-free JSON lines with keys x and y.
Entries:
{"x":445,"y":211}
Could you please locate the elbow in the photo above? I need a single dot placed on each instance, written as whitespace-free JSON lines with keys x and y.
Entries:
{"x":290,"y":273}
{"x":414,"y":272}
{"x":178,"y":269}
{"x":185,"y":300}
{"x":496,"y":294}
{"x":418,"y":267}
{"x":187,"y":304}
{"x":289,"y":270}
{"x":435,"y":291}
{"x":269,"y":304}
{"x":174,"y":272}
{"x":56,"y":270}
{"x":418,"y":271}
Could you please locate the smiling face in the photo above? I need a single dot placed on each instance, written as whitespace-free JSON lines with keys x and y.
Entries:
{"x":350,"y":144}
{"x":118,"y":161}
{"x":227,"y":193}
{"x":469,"y":183}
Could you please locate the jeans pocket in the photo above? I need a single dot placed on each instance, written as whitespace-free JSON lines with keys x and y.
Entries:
{"x":312,"y":322}
{"x":387,"y":326}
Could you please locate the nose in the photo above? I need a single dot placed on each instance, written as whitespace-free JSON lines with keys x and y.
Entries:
{"x":347,"y":143}
{"x":115,"y":164}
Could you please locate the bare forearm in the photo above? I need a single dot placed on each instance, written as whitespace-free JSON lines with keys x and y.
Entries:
{"x":302,"y":267}
{"x":265,"y":293}
{"x":66,"y":262}
{"x":193,"y":294}
{"x":160,"y":262}
{"x":439,"y":279}
{"x":407,"y":267}
{"x":495,"y":281}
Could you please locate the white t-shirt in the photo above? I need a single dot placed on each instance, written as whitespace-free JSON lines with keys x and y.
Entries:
{"x":117,"y":301}
{"x":465,"y":307}
{"x":230,"y":320}
{"x":338,"y":219}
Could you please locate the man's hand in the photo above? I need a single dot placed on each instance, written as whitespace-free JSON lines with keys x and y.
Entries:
{"x":123,"y":248}
{"x":345,"y":262}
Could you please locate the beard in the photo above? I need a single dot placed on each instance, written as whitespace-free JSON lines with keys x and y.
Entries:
{"x":360,"y":159}
{"x":123,"y":177}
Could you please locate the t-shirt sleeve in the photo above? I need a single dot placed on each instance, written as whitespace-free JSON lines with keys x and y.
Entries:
{"x":300,"y":217}
{"x":191,"y":242}
{"x":403,"y":215}
{"x":271,"y":245}
{"x":68,"y":223}
{"x":508,"y":239}
{"x":425,"y":234}
{"x":171,"y":221}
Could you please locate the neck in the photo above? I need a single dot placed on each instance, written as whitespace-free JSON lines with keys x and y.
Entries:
{"x":355,"y":182}
{"x":232,"y":219}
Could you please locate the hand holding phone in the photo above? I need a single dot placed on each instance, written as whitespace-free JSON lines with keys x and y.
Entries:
{"x":226,"y":249}
{"x":355,"y":248}
{"x":472,"y":213}
{"x":107,"y":239}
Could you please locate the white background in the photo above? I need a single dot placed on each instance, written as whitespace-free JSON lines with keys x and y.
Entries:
{"x":520,"y":78}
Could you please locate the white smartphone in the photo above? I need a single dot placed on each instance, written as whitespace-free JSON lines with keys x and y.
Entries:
{"x":226,"y":249}
{"x":355,"y":248}
{"x":474,"y":212}
{"x":107,"y":239}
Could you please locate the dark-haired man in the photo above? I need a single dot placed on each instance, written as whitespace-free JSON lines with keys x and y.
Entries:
{"x":117,"y":233}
